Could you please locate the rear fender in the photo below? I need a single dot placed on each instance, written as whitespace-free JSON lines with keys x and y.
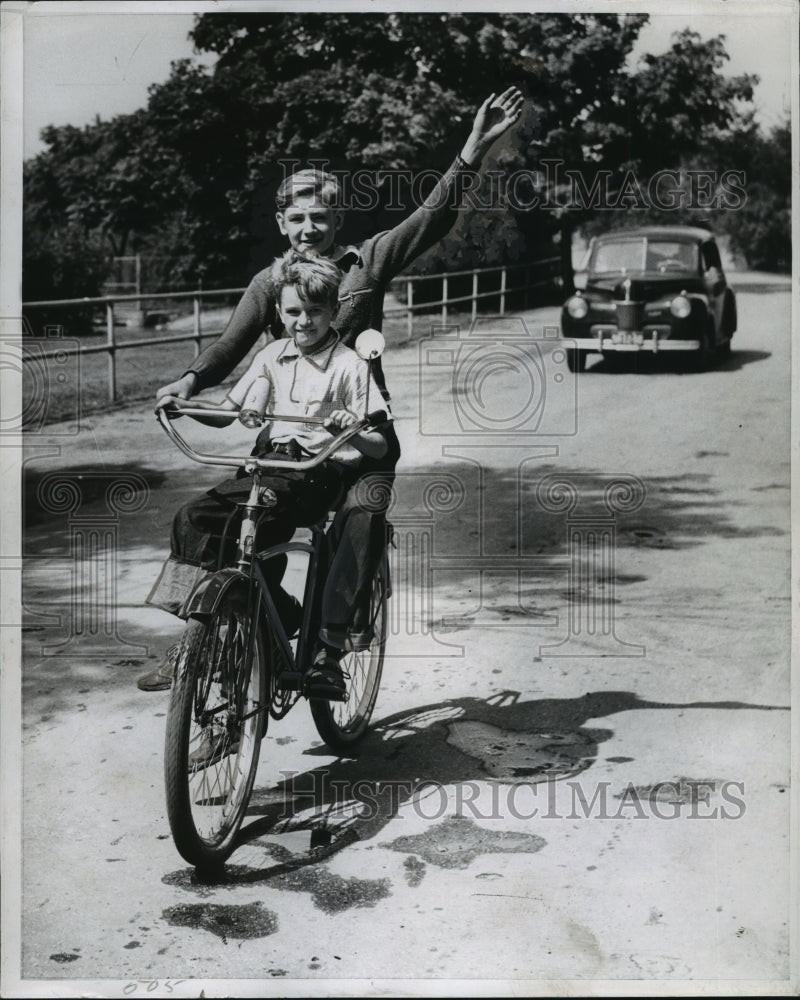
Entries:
{"x":209,"y":593}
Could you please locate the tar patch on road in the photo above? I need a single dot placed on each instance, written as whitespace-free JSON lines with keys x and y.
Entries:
{"x":522,"y":756}
{"x":329,"y":893}
{"x":676,"y":791}
{"x":251,"y":920}
{"x":63,"y":957}
{"x":332,"y":893}
{"x":415,"y":871}
{"x":456,"y":842}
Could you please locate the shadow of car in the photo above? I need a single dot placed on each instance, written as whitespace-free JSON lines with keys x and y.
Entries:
{"x":655,"y":288}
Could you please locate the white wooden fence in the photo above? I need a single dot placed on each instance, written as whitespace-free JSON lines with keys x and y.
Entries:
{"x":528,"y":276}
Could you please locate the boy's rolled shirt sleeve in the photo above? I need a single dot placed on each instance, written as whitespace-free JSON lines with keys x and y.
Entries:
{"x":394,"y":249}
{"x":257,"y":370}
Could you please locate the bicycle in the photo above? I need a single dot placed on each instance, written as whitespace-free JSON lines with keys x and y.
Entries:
{"x":236,"y":668}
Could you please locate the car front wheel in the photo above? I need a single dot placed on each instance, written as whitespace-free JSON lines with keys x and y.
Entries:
{"x":706,"y":354}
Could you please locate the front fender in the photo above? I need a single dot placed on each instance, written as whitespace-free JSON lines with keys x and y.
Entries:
{"x":729,"y":315}
{"x":208,"y":594}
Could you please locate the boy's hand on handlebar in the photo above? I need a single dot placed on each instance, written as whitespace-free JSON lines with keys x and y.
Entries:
{"x":181,"y":389}
{"x":170,"y":402}
{"x":340,"y":420}
{"x":369,"y":442}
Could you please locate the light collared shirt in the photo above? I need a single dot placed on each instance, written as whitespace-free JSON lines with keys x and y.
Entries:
{"x":286,"y":382}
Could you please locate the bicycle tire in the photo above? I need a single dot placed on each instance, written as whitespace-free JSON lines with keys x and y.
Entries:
{"x":341,"y":724}
{"x":211,"y":753}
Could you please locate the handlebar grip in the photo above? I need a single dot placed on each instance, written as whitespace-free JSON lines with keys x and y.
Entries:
{"x":376,"y":417}
{"x":250,"y":418}
{"x":165,"y":403}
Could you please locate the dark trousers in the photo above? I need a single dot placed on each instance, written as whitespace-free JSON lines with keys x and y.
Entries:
{"x":358,"y":536}
{"x":205,"y":532}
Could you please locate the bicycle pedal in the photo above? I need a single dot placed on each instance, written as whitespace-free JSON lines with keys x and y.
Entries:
{"x":290,"y":680}
{"x":328,"y":694}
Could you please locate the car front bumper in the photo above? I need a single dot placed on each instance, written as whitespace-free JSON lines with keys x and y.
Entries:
{"x":648,"y":340}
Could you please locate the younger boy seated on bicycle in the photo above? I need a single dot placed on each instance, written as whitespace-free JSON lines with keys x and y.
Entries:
{"x":309,"y":373}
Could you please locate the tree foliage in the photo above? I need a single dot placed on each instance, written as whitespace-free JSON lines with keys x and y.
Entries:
{"x":761,"y":231}
{"x":192,"y":176}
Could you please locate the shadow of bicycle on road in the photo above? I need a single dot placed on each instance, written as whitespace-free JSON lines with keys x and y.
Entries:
{"x":413,"y":760}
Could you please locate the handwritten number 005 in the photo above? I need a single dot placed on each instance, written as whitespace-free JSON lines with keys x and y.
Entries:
{"x":151,"y":984}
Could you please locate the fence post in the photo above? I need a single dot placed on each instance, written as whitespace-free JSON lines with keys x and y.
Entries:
{"x":111,"y":344}
{"x":503,"y":291}
{"x":474,"y":295}
{"x":444,"y":299}
{"x":409,"y":308}
{"x":197,"y":340}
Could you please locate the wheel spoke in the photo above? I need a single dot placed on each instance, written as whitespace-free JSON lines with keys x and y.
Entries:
{"x":213,"y":733}
{"x":341,"y":724}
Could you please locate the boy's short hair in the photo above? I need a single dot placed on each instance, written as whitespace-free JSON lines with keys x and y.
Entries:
{"x":316,"y":279}
{"x":317,"y":184}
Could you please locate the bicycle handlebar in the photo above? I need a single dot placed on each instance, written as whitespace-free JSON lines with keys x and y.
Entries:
{"x":250,"y":462}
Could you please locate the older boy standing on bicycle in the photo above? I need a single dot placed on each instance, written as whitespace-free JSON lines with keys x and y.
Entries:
{"x":310,"y":374}
{"x":307,"y":215}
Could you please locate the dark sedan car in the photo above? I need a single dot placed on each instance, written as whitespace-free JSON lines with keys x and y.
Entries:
{"x":658,"y":288}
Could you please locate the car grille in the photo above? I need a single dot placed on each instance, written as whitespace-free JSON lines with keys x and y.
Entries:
{"x":629,"y":315}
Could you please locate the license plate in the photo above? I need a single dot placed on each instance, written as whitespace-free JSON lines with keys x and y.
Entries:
{"x":627,"y":338}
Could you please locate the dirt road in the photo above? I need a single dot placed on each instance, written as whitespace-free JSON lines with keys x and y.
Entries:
{"x":580,"y":763}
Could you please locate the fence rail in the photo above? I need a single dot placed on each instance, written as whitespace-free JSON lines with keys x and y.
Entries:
{"x":411,"y":307}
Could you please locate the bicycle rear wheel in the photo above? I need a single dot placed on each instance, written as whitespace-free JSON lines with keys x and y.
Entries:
{"x":216,"y":717}
{"x":342,"y":723}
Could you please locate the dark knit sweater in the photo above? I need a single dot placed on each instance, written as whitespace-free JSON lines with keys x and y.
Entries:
{"x":368,"y":268}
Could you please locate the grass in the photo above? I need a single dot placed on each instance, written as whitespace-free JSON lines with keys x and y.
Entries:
{"x":76,"y":387}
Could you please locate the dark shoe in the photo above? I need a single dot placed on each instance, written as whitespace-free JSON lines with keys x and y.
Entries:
{"x":160,"y":678}
{"x":326,"y":679}
{"x":211,"y":749}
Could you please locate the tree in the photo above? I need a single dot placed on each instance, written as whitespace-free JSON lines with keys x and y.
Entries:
{"x":194,"y":173}
{"x":761,"y":228}
{"x":398,"y":92}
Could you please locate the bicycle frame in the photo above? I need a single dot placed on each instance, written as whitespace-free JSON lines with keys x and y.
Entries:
{"x":291,"y":674}
{"x":248,"y":562}
{"x":236,"y":667}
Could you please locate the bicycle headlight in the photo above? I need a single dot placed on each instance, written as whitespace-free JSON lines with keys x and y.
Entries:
{"x":268,"y":498}
{"x":577,"y":307}
{"x":680,"y":307}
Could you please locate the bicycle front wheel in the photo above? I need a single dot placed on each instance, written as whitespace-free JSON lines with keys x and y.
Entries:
{"x":214,"y":726}
{"x":342,"y":723}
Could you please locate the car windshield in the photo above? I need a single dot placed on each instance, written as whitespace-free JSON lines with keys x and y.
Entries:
{"x":643,"y":254}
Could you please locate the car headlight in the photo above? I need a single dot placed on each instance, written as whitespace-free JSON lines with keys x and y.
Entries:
{"x":577,"y":307}
{"x":680,"y":306}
